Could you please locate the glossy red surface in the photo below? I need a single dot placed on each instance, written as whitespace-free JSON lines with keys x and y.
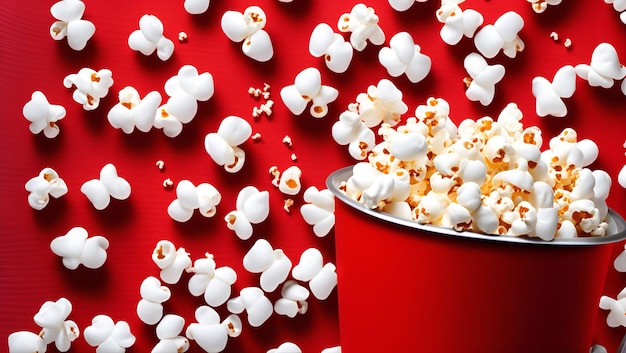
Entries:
{"x":30,"y":60}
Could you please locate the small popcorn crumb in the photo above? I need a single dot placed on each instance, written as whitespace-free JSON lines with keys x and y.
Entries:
{"x":168,"y":183}
{"x":554,"y":36}
{"x":255,"y":92}
{"x":161,"y":165}
{"x":182,"y":37}
{"x":567,"y":43}
{"x":274,"y":172}
{"x":467,"y":81}
{"x":267,"y":107}
{"x":294,"y":157}
{"x":256,"y":137}
{"x":266,"y":91}
{"x":287,"y":141}
{"x":287,"y":205}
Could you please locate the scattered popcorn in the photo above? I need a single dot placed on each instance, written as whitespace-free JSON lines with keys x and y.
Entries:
{"x":403,"y":57}
{"x":247,"y":27}
{"x":168,"y":183}
{"x":41,"y":187}
{"x":189,"y":197}
{"x":502,"y":35}
{"x":275,"y":173}
{"x":70,"y":24}
{"x":403,"y":5}
{"x":351,"y":130}
{"x":254,"y":302}
{"x":168,"y":332}
{"x":286,"y":347}
{"x":604,"y":68}
{"x":484,"y":78}
{"x":617,"y":307}
{"x":264,"y":108}
{"x":109,"y":336}
{"x":222,"y":146}
{"x":132,"y":111}
{"x":293,"y":300}
{"x":100,"y":191}
{"x":252,"y":207}
{"x":42,"y":115}
{"x":362,"y":23}
{"x":149,"y":37}
{"x":554,"y":36}
{"x":568,"y":43}
{"x":549,"y":94}
{"x":621,"y":178}
{"x":76,"y":248}
{"x":336,"y":349}
{"x":380,"y":104}
{"x":91,"y":86}
{"x":52,"y":318}
{"x":293,"y":157}
{"x":308,"y":88}
{"x":182,"y":37}
{"x":336,"y":51}
{"x":214,"y":283}
{"x":456,"y":22}
{"x":172,"y":262}
{"x":287,"y":205}
{"x":319,"y":210}
{"x":196,"y":7}
{"x":256,"y":137}
{"x":596,"y":348}
{"x":322,"y":278}
{"x":150,"y":307}
{"x":211,"y":334}
{"x":273,"y":264}
{"x":620,"y":261}
{"x":25,"y":342}
{"x":255,"y":92}
{"x":540,"y":6}
{"x":289,"y":182}
{"x":287,"y":141}
{"x":619,"y":6}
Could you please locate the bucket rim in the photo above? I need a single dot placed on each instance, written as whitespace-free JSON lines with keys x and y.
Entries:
{"x":617,"y":225}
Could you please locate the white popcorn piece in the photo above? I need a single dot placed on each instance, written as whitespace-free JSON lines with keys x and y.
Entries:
{"x":160,"y":164}
{"x":153,"y":295}
{"x":289,"y":183}
{"x":286,"y":347}
{"x":25,"y":342}
{"x":109,"y":336}
{"x":76,"y":248}
{"x":110,"y":184}
{"x":42,"y":115}
{"x":554,"y":36}
{"x":620,"y":261}
{"x":256,"y":137}
{"x":319,"y":210}
{"x":567,"y":43}
{"x":273,"y":264}
{"x":168,"y":332}
{"x":196,"y":7}
{"x":362,"y":23}
{"x":403,"y":5}
{"x":540,"y":6}
{"x":222,"y":145}
{"x":549,"y":95}
{"x":247,"y":27}
{"x":211,"y":334}
{"x":287,"y":141}
{"x":335,"y":349}
{"x":403,"y":56}
{"x":287,"y":205}
{"x":254,"y":302}
{"x":52,"y":318}
{"x":596,"y":348}
{"x":172,"y":262}
{"x":502,"y":35}
{"x":132,"y":111}
{"x":336,"y":51}
{"x":322,"y":278}
{"x":619,"y":6}
{"x":457,"y":22}
{"x":621,"y":177}
{"x":90,"y":86}
{"x":70,"y":24}
{"x":307,"y":88}
{"x":168,"y":183}
{"x":381,"y":103}
{"x":252,"y":207}
{"x":214,"y":283}
{"x":189,"y":197}
{"x":617,"y":309}
{"x":46,"y":184}
{"x":293,"y":300}
{"x":604,"y":68}
{"x":351,"y":130}
{"x":149,"y":37}
{"x":182,"y":37}
{"x":484,"y":78}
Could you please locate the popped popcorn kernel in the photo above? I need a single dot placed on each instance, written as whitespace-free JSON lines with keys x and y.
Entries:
{"x":149,"y":38}
{"x":287,"y":205}
{"x":168,"y":183}
{"x":182,"y":37}
{"x":287,"y":141}
{"x":567,"y":43}
{"x":554,"y":36}
{"x":256,"y":137}
{"x":160,"y":165}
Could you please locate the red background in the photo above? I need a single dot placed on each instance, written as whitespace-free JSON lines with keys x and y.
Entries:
{"x":30,"y":60}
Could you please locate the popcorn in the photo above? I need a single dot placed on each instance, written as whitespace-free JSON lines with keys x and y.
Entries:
{"x":548,"y":94}
{"x":76,"y":248}
{"x":287,"y":205}
{"x":596,"y":348}
{"x":619,"y":6}
{"x":160,"y":165}
{"x":403,"y":57}
{"x":91,"y":86}
{"x":149,"y":37}
{"x":336,"y":349}
{"x":42,"y":115}
{"x":150,"y":307}
{"x":209,"y":333}
{"x":621,"y":177}
{"x":287,"y":141}
{"x":286,"y":347}
{"x":132,"y":111}
{"x":172,"y":262}
{"x":52,"y":318}
{"x":214,"y":283}
{"x":351,"y":130}
{"x":109,"y":336}
{"x":293,"y":300}
{"x":168,"y":183}
{"x":620,"y":261}
{"x":319,"y":210}
{"x":168,"y":332}
{"x":252,"y":208}
{"x":254,"y":302}
{"x":362,"y":23}
{"x":247,"y":27}
{"x":289,"y":182}
{"x":381,"y":103}
{"x":25,"y":342}
{"x":617,"y":307}
{"x":403,"y":5}
{"x":540,"y":6}
{"x":456,"y":22}
{"x":273,"y":264}
{"x":336,"y":51}
{"x":46,"y":184}
{"x":554,"y":36}
{"x":189,"y":197}
{"x":484,"y":78}
{"x":308,"y":88}
{"x":100,"y":191}
{"x":275,"y":173}
{"x":567,"y":43}
{"x":70,"y":24}
{"x":196,"y":7}
{"x":322,"y":278}
{"x":182,"y":37}
{"x":502,"y":35}
{"x":222,"y":146}
{"x":604,"y":68}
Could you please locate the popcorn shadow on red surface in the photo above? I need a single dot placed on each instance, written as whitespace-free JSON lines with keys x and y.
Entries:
{"x":56,"y":212}
{"x":49,"y":146}
{"x":86,"y":281}
{"x":119,"y":214}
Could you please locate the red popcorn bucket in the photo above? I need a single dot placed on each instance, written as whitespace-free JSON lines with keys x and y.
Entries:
{"x":407,"y":287}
